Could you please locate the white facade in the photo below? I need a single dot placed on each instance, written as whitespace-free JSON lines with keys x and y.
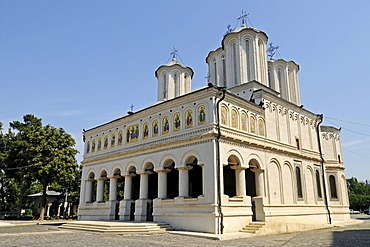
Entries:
{"x":215,"y":159}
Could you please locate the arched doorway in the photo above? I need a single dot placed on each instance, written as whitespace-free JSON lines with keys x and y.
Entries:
{"x":229,"y":181}
{"x":195,"y":177}
{"x":254,"y":183}
{"x":152,"y":190}
{"x":172,"y":180}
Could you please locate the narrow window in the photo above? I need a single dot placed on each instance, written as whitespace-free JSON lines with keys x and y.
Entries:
{"x":223,"y":71}
{"x":280,"y":83}
{"x":215,"y":71}
{"x":299,"y":182}
{"x":318,"y":184}
{"x":164,"y":86}
{"x":234,"y":65}
{"x":177,"y":86}
{"x":339,"y":160}
{"x":333,"y":187}
{"x":297,"y":143}
{"x":247,"y":59}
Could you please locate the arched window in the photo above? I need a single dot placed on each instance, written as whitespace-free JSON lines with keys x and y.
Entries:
{"x":333,"y":187}
{"x":299,"y":182}
{"x":318,"y":184}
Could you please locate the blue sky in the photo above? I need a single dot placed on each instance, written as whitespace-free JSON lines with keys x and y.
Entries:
{"x":78,"y":64}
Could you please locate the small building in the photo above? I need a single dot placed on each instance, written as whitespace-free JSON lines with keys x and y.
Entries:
{"x":239,"y":150}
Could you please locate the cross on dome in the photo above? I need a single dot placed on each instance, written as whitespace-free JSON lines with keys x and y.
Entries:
{"x":243,"y":18}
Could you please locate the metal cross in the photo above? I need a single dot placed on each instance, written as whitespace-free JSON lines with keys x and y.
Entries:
{"x":243,"y":17}
{"x":132,"y":107}
{"x":174,"y":53}
{"x":271,"y":50}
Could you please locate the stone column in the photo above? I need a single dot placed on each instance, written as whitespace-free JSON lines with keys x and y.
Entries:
{"x":240,"y":181}
{"x":260,"y":186}
{"x":162,"y":184}
{"x":141,"y":204}
{"x":127,"y":189}
{"x":126,"y":204}
{"x":88,"y":191}
{"x":144,"y":185}
{"x":183,"y":181}
{"x":48,"y":210}
{"x":112,"y":188}
{"x":100,"y":191}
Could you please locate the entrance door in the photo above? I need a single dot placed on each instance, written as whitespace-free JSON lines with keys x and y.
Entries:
{"x":250,"y":181}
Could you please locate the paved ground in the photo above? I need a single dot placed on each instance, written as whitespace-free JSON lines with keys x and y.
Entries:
{"x":49,"y":235}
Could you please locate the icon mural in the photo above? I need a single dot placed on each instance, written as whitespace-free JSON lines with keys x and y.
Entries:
{"x":93,"y":146}
{"x":99,"y":144}
{"x":176,"y":122}
{"x":113,"y":140}
{"x":120,"y":137}
{"x":261,"y":127}
{"x":253,"y":125}
{"x":88,"y":147}
{"x":244,"y":122}
{"x":201,"y":115}
{"x":132,"y":133}
{"x":155,"y":127}
{"x":145,"y":130}
{"x":234,"y":119}
{"x":188,"y":119}
{"x":224,"y":115}
{"x":105,"y":142}
{"x":166,"y":125}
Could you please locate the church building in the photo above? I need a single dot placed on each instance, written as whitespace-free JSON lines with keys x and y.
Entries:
{"x":242,"y":149}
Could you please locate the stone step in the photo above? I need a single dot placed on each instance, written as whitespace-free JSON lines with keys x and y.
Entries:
{"x":117,"y":227}
{"x":252,"y":227}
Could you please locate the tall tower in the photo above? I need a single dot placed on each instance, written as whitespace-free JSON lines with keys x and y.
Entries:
{"x":174,"y":79}
{"x":241,"y":58}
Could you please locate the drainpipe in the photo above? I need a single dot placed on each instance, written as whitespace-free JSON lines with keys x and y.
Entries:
{"x":218,"y":161}
{"x":320,"y":119}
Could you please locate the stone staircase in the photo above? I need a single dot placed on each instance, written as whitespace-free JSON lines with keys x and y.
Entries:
{"x":118,"y":227}
{"x":253,"y":227}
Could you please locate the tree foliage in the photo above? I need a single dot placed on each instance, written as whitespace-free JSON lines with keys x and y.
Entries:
{"x":359,"y":194}
{"x":40,"y":154}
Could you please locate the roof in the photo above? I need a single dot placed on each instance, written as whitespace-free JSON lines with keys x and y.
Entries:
{"x":48,"y":193}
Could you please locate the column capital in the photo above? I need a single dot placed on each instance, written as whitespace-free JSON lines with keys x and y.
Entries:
{"x":143,"y":172}
{"x":183,"y":167}
{"x":127,"y":174}
{"x":162,"y":170}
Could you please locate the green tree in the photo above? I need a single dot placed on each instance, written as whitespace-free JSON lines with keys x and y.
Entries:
{"x":359,"y":194}
{"x":42,"y":153}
